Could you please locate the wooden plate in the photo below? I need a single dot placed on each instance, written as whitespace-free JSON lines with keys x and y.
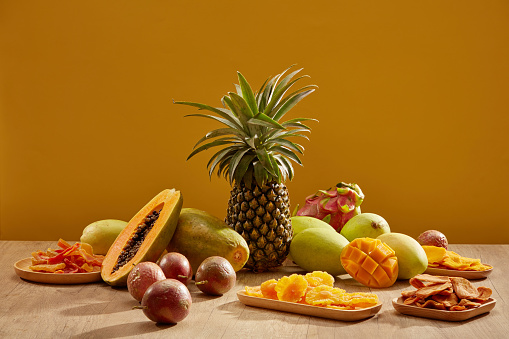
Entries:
{"x":22,"y":270}
{"x":316,"y":311}
{"x":455,"y":273}
{"x":417,"y":311}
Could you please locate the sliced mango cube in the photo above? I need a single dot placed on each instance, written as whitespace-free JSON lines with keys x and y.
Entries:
{"x":371,"y":262}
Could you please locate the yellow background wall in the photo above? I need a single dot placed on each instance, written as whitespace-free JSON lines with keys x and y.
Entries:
{"x":413,"y":106}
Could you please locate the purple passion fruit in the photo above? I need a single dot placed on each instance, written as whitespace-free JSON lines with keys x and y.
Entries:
{"x":167,"y":301}
{"x":433,"y":238}
{"x":176,"y":266}
{"x":215,"y":276}
{"x":142,"y":276}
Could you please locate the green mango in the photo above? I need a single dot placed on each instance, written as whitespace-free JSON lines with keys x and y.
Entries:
{"x":102,"y":234}
{"x":319,"y":249}
{"x":412,"y":259}
{"x":301,"y":223}
{"x":365,"y":225}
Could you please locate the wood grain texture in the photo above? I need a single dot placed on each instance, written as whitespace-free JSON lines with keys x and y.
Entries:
{"x":96,"y":310}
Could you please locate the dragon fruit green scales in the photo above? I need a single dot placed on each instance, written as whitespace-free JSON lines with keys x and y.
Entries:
{"x":336,"y":205}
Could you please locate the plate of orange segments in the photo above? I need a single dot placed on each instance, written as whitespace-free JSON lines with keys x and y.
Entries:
{"x":312,"y":294}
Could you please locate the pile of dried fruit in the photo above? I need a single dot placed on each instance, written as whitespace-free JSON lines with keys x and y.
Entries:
{"x":439,"y":257}
{"x":315,"y":288}
{"x":445,"y":293}
{"x":78,"y":258}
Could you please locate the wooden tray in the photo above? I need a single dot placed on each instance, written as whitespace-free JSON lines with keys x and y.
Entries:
{"x":455,"y":273}
{"x":441,"y":314}
{"x":22,"y":270}
{"x":316,"y":311}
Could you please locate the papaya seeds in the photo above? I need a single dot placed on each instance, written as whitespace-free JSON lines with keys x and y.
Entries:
{"x":215,"y":276}
{"x":144,"y":238}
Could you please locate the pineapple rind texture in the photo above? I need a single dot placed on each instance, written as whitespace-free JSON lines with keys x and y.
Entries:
{"x":261,"y":214}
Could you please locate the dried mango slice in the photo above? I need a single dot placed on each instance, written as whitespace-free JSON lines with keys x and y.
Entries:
{"x":439,"y":257}
{"x":47,"y":268}
{"x":291,"y":288}
{"x":318,"y":278}
{"x":371,"y":262}
{"x":435,"y":254}
{"x":254,"y":291}
{"x":363,"y":300}
{"x":78,"y":258}
{"x":268,"y":289}
{"x":324,"y":295}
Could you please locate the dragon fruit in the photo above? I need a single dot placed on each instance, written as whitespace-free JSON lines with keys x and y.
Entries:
{"x":335,"y":206}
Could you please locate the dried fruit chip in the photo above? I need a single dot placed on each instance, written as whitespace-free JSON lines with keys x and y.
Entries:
{"x":291,"y":288}
{"x":299,"y":289}
{"x":254,"y":291}
{"x":362,"y":300}
{"x":78,"y":258}
{"x":439,"y":257}
{"x":443,"y":293}
{"x":324,"y":295}
{"x":268,"y":289}
{"x":47,"y":268}
{"x":318,"y":278}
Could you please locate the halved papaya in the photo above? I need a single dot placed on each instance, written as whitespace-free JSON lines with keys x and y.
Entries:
{"x":144,"y":238}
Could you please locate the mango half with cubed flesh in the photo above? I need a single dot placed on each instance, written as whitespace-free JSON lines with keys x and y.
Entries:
{"x":370,"y":262}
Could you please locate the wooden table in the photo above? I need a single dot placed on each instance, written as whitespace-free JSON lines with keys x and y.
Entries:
{"x":96,"y":310}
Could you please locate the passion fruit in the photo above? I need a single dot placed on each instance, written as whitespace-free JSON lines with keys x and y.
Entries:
{"x":176,"y":266}
{"x":167,"y":301}
{"x":433,"y":238}
{"x":142,"y":276}
{"x":215,"y":276}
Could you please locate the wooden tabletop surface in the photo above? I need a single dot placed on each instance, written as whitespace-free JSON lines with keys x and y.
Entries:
{"x":96,"y":310}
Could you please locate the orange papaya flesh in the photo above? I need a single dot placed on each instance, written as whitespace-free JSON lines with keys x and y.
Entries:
{"x":144,"y":238}
{"x":371,"y":262}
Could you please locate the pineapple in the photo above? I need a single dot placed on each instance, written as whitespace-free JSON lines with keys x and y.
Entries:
{"x":255,"y":156}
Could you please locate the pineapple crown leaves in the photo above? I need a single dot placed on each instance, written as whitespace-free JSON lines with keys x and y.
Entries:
{"x":254,"y":143}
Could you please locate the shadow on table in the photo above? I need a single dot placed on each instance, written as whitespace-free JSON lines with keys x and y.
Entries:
{"x":120,"y":302}
{"x":421,"y":321}
{"x":236,"y":308}
{"x":123,"y":330}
